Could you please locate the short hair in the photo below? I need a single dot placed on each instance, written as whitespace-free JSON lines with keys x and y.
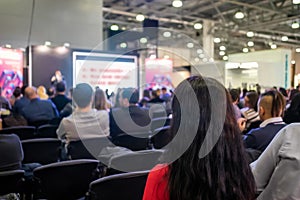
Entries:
{"x":82,"y":94}
{"x":60,"y":87}
{"x":276,"y":105}
{"x":17,"y":92}
{"x":23,"y":89}
{"x":234,"y":93}
{"x":164,"y":88}
{"x":131,"y":94}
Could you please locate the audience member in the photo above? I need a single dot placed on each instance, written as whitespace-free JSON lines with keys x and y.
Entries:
{"x":129,"y":117}
{"x":221,"y":174}
{"x":84,"y":122}
{"x":292,"y":93}
{"x":271,"y":106}
{"x":38,"y":110}
{"x":51,"y":92}
{"x":235,"y":100}
{"x":4,"y":103}
{"x":101,"y":100}
{"x":277,"y":170}
{"x":60,"y":100}
{"x":41,"y":91}
{"x":146,"y":98}
{"x":250,"y":111}
{"x":165,"y":96}
{"x":292,"y":113}
{"x":21,"y":103}
{"x":155,"y":97}
{"x":11,"y":153}
{"x":16,"y":95}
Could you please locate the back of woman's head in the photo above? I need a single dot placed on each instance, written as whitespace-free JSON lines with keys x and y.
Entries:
{"x":213,"y":166}
{"x":100,"y":100}
{"x":253,"y":99}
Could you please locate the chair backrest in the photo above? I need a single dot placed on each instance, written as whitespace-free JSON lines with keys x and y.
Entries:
{"x":127,"y":186}
{"x":38,"y":123}
{"x":134,"y":142}
{"x":136,"y":161}
{"x":43,"y":150}
{"x":11,"y":181}
{"x":161,"y":137}
{"x":46,"y":131}
{"x":159,"y":122}
{"x":78,"y":150}
{"x":67,"y":179}
{"x":24,"y":132}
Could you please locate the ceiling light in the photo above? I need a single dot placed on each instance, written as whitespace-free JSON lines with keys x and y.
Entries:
{"x":152,"y":56}
{"x":123,"y":45}
{"x":140,"y":17}
{"x":166,"y":56}
{"x":177,"y":3}
{"x":211,"y":60}
{"x":204,"y":59}
{"x":167,"y":34}
{"x":225,"y":57}
{"x":293,"y":62}
{"x":245,"y":50}
{"x":250,"y":44}
{"x":199,"y":51}
{"x":143,"y":40}
{"x":296,"y":1}
{"x":239,"y":15}
{"x":197,"y":26}
{"x":222,"y":48}
{"x":190,"y":45}
{"x":197,"y":59}
{"x":22,"y":49}
{"x":123,"y":28}
{"x":217,"y":40}
{"x":47,"y":43}
{"x":222,"y":53}
{"x":250,"y":34}
{"x":295,"y":25}
{"x":201,"y":55}
{"x":273,"y":46}
{"x":298,"y":50}
{"x":114,"y":27}
{"x":66,"y":44}
{"x":8,"y":46}
{"x":284,"y":38}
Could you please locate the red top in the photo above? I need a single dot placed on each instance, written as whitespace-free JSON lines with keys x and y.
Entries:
{"x":157,"y":184}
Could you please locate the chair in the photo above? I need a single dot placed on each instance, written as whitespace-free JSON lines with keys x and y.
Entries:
{"x":11,"y":181}
{"x":78,"y":150}
{"x":65,"y":180}
{"x":43,"y":151}
{"x":135,"y":161}
{"x":161,"y":137}
{"x":46,"y":131}
{"x":159,"y":122}
{"x":134,"y":142}
{"x":127,"y":186}
{"x":24,"y":132}
{"x":38,"y":123}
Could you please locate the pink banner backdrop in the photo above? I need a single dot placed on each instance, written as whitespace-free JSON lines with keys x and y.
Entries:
{"x":11,"y":70}
{"x":158,"y":73}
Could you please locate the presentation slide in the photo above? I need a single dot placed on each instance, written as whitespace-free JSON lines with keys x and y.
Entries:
{"x":108,"y":71}
{"x":11,"y":70}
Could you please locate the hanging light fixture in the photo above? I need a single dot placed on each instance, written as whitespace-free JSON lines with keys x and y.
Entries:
{"x":295,"y":25}
{"x":114,"y":27}
{"x":177,"y":3}
{"x":239,"y":15}
{"x":198,"y":26}
{"x":140,"y":17}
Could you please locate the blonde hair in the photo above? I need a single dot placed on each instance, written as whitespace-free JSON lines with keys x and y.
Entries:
{"x":41,"y":91}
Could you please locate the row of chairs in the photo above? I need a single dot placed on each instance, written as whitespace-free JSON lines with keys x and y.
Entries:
{"x":30,"y":132}
{"x":74,"y":180}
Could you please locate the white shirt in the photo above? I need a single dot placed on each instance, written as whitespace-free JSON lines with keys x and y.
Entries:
{"x":273,"y":120}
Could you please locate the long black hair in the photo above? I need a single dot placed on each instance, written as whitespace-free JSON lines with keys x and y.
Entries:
{"x":224,"y":172}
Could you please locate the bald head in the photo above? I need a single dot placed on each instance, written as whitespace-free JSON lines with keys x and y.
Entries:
{"x":30,"y":93}
{"x":271,"y":104}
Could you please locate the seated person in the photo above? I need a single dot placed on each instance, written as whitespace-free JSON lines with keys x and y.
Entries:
{"x":37,"y":109}
{"x":4,"y":103}
{"x":271,"y":105}
{"x":277,"y":170}
{"x":11,"y":152}
{"x":210,"y":162}
{"x":84,"y":122}
{"x":250,"y":111}
{"x":129,"y":117}
{"x":22,"y":102}
{"x":60,"y":100}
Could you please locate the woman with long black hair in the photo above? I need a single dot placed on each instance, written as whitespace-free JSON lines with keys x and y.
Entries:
{"x":213,"y":166}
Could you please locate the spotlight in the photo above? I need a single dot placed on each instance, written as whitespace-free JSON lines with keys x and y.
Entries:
{"x":239,"y":15}
{"x":250,"y":34}
{"x":167,"y":34}
{"x":298,"y":50}
{"x":273,"y":46}
{"x":197,"y":26}
{"x":250,"y":44}
{"x":47,"y":43}
{"x":225,"y":57}
{"x":8,"y":46}
{"x":295,"y":25}
{"x":217,"y":40}
{"x":140,"y":17}
{"x":222,"y":48}
{"x":66,"y":44}
{"x":296,"y":1}
{"x":177,"y":3}
{"x":284,"y":38}
{"x":114,"y":27}
{"x":190,"y":45}
{"x":293,"y":62}
{"x":245,"y":50}
{"x":123,"y":45}
{"x":222,"y":53}
{"x":143,"y":40}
